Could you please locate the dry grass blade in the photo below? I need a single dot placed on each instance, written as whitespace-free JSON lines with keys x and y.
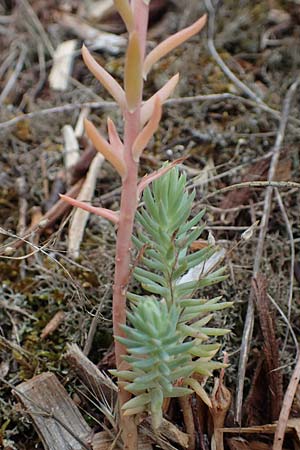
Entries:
{"x":13,"y":77}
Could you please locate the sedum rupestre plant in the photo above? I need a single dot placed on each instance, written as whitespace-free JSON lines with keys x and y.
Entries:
{"x":164,"y":345}
{"x":167,"y":339}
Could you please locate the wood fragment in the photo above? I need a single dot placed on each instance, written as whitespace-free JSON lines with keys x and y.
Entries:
{"x":71,"y":147}
{"x":53,"y":324}
{"x":293,"y":426}
{"x":221,"y":400}
{"x":187,"y":412}
{"x":168,"y":431}
{"x":75,"y":173}
{"x":103,"y":441}
{"x":80,"y":216}
{"x":99,"y":40}
{"x":88,"y":372}
{"x":79,"y":128}
{"x":59,"y":76}
{"x":54,"y":415}
{"x":23,"y":205}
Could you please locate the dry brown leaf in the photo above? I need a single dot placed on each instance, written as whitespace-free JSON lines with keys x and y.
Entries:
{"x":270,"y":347}
{"x":238,"y":444}
{"x":258,"y":445}
{"x":198,"y":245}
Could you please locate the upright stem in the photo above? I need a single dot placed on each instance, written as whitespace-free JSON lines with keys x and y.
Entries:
{"x":128,"y":208}
{"x":127,"y":212}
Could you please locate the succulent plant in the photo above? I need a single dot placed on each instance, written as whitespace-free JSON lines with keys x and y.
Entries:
{"x":167,"y":336}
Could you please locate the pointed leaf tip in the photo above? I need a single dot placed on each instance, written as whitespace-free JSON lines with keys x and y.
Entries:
{"x":125,"y":11}
{"x":170,"y":43}
{"x":114,"y":137}
{"x":108,"y":82}
{"x":148,"y":131}
{"x":102,"y":146}
{"x":102,"y":212}
{"x":157,"y":174}
{"x":163,"y":94}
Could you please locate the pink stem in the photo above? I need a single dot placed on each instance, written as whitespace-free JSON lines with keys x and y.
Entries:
{"x":129,"y":197}
{"x":128,"y":206}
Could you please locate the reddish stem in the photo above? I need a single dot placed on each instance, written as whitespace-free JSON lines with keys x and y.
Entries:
{"x":127,"y":212}
{"x":128,"y":206}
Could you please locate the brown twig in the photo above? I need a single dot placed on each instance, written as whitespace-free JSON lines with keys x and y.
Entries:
{"x":255,"y":184}
{"x":249,"y":321}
